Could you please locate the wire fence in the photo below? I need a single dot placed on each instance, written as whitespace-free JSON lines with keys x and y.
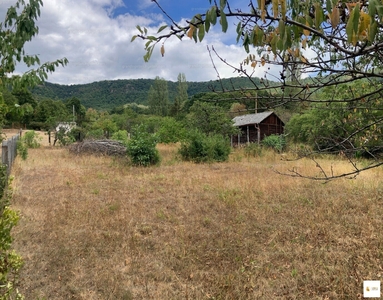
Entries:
{"x":9,"y":151}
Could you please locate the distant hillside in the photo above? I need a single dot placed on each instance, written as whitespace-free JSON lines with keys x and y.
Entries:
{"x":105,"y":95}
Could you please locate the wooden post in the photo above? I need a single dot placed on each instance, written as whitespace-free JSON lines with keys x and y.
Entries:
{"x":248,"y":135}
{"x":4,"y":154}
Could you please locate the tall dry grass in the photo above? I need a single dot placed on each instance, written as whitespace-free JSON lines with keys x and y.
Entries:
{"x":96,"y":228}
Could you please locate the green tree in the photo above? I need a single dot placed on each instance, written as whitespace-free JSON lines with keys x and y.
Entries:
{"x":76,"y":109}
{"x":181,"y":97}
{"x":330,"y":127}
{"x":48,"y":112}
{"x":158,"y":97}
{"x":344,"y":39}
{"x":210,"y":119}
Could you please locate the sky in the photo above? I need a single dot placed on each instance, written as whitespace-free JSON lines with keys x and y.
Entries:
{"x":95,"y":36}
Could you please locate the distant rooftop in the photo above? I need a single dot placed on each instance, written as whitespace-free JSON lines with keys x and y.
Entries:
{"x":251,"y":118}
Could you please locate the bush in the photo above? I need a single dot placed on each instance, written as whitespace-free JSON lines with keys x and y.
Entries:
{"x":200,"y":148}
{"x":276,"y":142}
{"x":10,"y":261}
{"x":64,"y":138}
{"x":121,"y":136}
{"x":29,"y":140}
{"x":141,"y":148}
{"x":171,"y":131}
{"x":78,"y":134}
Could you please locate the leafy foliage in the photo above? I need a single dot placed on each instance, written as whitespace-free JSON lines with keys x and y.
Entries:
{"x":333,"y":44}
{"x":141,"y":148}
{"x":352,"y":128}
{"x":19,"y":28}
{"x":171,"y":131}
{"x":158,"y":97}
{"x":10,"y":261}
{"x":30,"y":139}
{"x":276,"y":142}
{"x":121,"y":135}
{"x":210,"y":119}
{"x":64,"y":137}
{"x":200,"y":148}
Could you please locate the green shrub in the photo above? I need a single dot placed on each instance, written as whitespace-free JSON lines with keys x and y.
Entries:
{"x":78,"y":134}
{"x":64,"y":138}
{"x":30,"y":139}
{"x":276,"y":142}
{"x":10,"y":261}
{"x":200,"y":148}
{"x":171,"y":131}
{"x":121,"y":135}
{"x":141,"y":148}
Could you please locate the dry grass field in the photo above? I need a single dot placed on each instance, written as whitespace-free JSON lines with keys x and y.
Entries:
{"x":97,"y":228}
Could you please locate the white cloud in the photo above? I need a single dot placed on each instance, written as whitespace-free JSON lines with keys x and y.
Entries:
{"x":98,"y":47}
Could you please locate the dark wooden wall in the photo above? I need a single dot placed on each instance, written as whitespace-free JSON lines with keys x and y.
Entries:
{"x":271,"y":125}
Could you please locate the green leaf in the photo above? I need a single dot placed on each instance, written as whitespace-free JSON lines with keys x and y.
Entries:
{"x":372,"y":7}
{"x":281,"y":28}
{"x":222,"y":4}
{"x":239,"y":31}
{"x":133,"y":38}
{"x":213,"y":15}
{"x":223,"y":22}
{"x":273,"y":44}
{"x":201,"y":32}
{"x":352,"y":25}
{"x":287,"y":41}
{"x":246,"y":43}
{"x":162,"y":28}
{"x":207,"y":22}
{"x":319,"y":15}
{"x":139,"y":29}
{"x":373,"y":30}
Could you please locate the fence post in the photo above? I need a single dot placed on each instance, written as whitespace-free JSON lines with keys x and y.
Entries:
{"x":9,"y":152}
{"x":4,"y":155}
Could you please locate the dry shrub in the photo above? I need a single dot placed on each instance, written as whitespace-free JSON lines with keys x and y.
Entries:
{"x":93,"y":228}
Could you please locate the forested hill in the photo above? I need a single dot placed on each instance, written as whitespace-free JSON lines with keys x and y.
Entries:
{"x":105,"y":95}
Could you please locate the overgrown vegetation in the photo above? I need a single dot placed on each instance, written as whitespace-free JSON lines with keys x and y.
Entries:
{"x":141,"y":148}
{"x":29,"y":140}
{"x":10,"y":261}
{"x":230,"y":230}
{"x":276,"y":142}
{"x":200,"y":147}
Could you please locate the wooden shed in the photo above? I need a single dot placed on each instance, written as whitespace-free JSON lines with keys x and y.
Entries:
{"x":254,"y":127}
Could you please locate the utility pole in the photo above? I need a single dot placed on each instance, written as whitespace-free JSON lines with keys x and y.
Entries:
{"x":256,"y":103}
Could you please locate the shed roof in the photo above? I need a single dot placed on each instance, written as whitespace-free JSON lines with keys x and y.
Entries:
{"x":251,"y":118}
